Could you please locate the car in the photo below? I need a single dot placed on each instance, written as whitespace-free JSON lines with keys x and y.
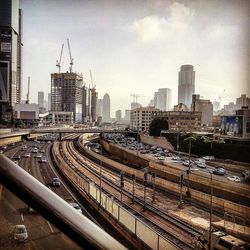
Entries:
{"x":38,"y":156}
{"x":208,"y":157}
{"x":23,"y":147}
{"x":35,"y":150}
{"x":56,"y":182}
{"x":186,"y":163}
{"x":76,"y":206}
{"x":219,"y":171}
{"x":161,"y":158}
{"x":201,"y":165}
{"x":16,"y":157}
{"x":42,"y":150}
{"x":200,"y":160}
{"x":176,"y":158}
{"x":1,"y":151}
{"x":20,"y":233}
{"x":27,"y":155}
{"x":234,"y":178}
{"x":43,"y":159}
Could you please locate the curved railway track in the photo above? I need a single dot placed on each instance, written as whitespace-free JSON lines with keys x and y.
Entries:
{"x":177,"y":231}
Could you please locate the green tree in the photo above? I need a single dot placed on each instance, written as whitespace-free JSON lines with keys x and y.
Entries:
{"x":157,"y":125}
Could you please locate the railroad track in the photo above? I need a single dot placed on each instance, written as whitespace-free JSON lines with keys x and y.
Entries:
{"x":177,"y":228}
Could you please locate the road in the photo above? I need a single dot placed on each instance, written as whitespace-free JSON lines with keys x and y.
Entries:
{"x":42,"y":234}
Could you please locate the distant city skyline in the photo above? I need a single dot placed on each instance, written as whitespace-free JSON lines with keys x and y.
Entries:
{"x":139,"y":46}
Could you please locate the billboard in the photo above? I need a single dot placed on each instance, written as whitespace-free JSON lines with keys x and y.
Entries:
{"x":232,"y":125}
{"x":4,"y":81}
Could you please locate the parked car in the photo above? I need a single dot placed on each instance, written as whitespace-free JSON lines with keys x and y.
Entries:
{"x":75,"y":206}
{"x":56,"y":182}
{"x":219,"y":171}
{"x":176,"y":158}
{"x":20,"y":233}
{"x":161,"y":158}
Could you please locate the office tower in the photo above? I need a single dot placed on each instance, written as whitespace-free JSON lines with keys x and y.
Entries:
{"x":127,"y":115}
{"x":186,"y":86}
{"x":100,"y":107}
{"x":93,"y":110}
{"x":49,"y":101}
{"x":67,"y":94}
{"x":10,"y":57}
{"x":203,"y":106}
{"x":162,"y":99}
{"x":106,"y":108}
{"x":118,"y":115}
{"x":41,"y":99}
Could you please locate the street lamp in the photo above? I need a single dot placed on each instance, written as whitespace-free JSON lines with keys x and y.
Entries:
{"x":100,"y":174}
{"x":178,"y":137}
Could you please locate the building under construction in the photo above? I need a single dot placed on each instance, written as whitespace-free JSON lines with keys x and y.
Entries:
{"x":66,"y":94}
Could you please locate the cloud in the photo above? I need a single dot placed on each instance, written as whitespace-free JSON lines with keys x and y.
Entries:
{"x":152,"y":28}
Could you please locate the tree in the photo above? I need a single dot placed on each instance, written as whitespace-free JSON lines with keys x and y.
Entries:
{"x":157,"y":125}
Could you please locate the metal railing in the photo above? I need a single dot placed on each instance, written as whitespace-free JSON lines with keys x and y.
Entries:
{"x":76,"y":226}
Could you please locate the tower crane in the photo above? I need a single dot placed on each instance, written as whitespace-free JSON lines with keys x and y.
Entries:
{"x":28,"y":92}
{"x":70,"y":57}
{"x":58,"y":63}
{"x":135,"y":97}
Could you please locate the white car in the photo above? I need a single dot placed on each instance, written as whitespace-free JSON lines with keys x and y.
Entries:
{"x":38,"y":156}
{"x":234,"y":178}
{"x":27,"y":155}
{"x":20,"y":233}
{"x":161,"y":158}
{"x":76,"y":206}
{"x":201,"y":165}
{"x":176,"y":158}
{"x":186,"y":163}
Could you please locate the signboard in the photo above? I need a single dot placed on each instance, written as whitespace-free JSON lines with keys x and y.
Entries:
{"x":232,"y":125}
{"x":4,"y":81}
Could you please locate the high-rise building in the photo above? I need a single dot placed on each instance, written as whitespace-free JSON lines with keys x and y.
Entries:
{"x":127,"y":116}
{"x":205,"y":107}
{"x":93,"y":110}
{"x":186,"y":86}
{"x":100,"y":107}
{"x":242,"y":101}
{"x":66,"y":94}
{"x":163,"y":99}
{"x":10,"y":57}
{"x":41,"y":99}
{"x":135,"y":105}
{"x":106,"y":108}
{"x":49,"y":101}
{"x":118,"y":115}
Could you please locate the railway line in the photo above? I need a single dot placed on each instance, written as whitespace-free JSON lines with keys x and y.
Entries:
{"x":177,"y":231}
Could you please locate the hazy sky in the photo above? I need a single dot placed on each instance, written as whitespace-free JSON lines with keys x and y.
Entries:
{"x":139,"y":46}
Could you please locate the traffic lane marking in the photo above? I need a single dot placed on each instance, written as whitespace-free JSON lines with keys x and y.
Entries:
{"x":50,"y":227}
{"x":22,"y":217}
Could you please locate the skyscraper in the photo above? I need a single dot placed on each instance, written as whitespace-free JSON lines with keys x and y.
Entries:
{"x":41,"y":99}
{"x":118,"y":115}
{"x":49,"y":101}
{"x":106,"y":108}
{"x":186,"y":85}
{"x":10,"y":57}
{"x":163,"y":99}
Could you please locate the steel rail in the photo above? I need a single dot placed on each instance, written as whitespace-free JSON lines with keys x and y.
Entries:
{"x":177,"y":241}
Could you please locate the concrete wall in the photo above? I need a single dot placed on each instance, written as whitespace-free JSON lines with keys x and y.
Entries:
{"x":157,"y":141}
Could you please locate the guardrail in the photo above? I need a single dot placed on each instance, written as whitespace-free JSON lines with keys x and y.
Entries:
{"x":76,"y":226}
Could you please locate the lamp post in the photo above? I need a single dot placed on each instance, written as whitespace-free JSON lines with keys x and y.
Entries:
{"x":101,"y":175}
{"x":178,"y":137}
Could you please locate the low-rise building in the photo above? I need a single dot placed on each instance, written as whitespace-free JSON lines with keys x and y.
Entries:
{"x":141,"y":118}
{"x":181,"y":120}
{"x":56,"y":117}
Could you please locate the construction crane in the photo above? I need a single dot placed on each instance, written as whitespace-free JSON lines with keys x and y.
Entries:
{"x":91,"y":79}
{"x":58,"y":63}
{"x":135,"y":97}
{"x":221,"y":97}
{"x":70,"y":57}
{"x":28,"y":92}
